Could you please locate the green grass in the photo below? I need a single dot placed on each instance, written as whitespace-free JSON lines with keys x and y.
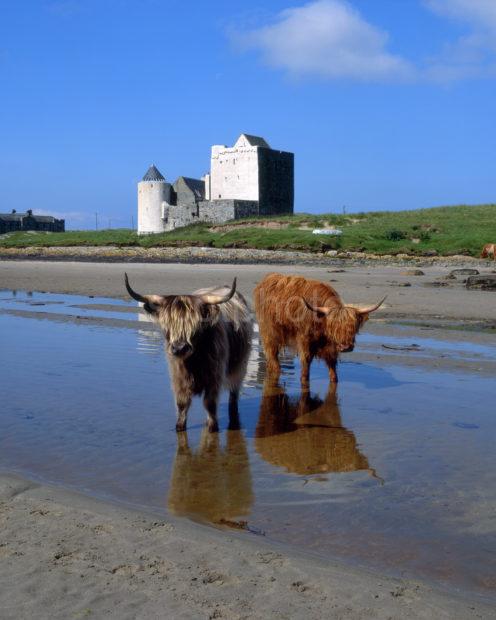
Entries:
{"x":447,"y":230}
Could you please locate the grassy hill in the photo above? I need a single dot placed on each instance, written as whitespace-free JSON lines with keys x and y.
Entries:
{"x":447,"y":230}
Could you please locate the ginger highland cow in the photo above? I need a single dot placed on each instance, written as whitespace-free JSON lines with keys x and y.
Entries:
{"x":308,"y":316}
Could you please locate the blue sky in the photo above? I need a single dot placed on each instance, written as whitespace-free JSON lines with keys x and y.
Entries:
{"x":387,"y":104}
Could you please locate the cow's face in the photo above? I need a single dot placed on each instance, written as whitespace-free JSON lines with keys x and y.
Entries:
{"x":342,"y":322}
{"x":182,"y":318}
{"x":343,"y":325}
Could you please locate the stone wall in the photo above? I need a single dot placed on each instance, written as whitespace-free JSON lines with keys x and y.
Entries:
{"x":220,"y":211}
{"x":176,"y":216}
{"x":211,"y":211}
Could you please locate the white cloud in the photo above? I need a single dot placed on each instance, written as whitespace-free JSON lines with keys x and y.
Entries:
{"x":331,"y":40}
{"x":481,"y":13}
{"x":473,"y":54}
{"x":326,"y":38}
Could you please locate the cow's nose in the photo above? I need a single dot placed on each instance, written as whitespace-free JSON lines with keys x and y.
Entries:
{"x":348,"y":349}
{"x":179,"y":348}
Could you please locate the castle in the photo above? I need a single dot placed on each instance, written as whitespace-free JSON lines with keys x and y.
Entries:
{"x":248,"y":179}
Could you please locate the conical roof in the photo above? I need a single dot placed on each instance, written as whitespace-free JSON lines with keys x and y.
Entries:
{"x":153,"y":174}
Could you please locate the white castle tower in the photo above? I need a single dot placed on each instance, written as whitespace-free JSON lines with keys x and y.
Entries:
{"x":154,"y":195}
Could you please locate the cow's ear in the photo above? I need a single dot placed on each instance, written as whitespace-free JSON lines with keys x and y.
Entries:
{"x":150,"y":308}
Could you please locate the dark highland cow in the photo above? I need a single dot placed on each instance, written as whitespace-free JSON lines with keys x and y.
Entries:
{"x":208,"y":338}
{"x":308,"y":316}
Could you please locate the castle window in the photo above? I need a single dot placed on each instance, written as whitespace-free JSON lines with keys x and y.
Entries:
{"x":220,"y":195}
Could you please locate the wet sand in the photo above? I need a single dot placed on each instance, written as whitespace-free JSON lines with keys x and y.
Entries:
{"x":430,"y":295}
{"x":66,"y":555}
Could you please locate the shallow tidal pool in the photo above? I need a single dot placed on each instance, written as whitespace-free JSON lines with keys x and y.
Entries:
{"x":394,"y":470}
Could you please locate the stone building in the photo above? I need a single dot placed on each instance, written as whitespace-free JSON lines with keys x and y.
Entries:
{"x":13,"y":221}
{"x":247,"y":179}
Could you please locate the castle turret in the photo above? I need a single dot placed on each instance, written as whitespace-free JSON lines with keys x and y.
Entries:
{"x":154,"y":196}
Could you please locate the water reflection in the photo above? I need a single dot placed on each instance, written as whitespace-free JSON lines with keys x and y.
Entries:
{"x":429,"y":432}
{"x":212,"y":483}
{"x":305,"y":435}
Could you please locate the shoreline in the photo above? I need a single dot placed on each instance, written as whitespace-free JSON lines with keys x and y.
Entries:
{"x":96,"y":557}
{"x":434,"y":296}
{"x":242,"y":256}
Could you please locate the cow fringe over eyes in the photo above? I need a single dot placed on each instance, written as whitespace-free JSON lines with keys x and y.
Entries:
{"x":343,"y":323}
{"x":182,"y":316}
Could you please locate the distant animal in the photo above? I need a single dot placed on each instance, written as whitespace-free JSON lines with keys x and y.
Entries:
{"x":489,"y":250}
{"x":208,"y":336}
{"x":309,"y":316}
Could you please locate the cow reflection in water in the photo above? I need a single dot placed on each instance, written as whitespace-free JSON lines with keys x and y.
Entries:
{"x":212,"y":483}
{"x":305,"y":435}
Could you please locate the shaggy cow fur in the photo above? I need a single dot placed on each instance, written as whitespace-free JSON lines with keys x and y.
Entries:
{"x":306,"y":315}
{"x":489,"y":250}
{"x":208,"y":337}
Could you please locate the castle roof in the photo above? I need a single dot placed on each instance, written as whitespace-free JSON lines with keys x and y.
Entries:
{"x":153,"y":174}
{"x":197,"y":186}
{"x":254,"y":140}
{"x":18,"y":217}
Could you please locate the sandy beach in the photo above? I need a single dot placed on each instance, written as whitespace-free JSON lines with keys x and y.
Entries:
{"x":67,"y":555}
{"x":411,"y":296}
{"x":64,"y":555}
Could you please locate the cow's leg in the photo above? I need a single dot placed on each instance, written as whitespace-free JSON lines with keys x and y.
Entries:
{"x":272,"y":356}
{"x":210,"y":403}
{"x":305,"y":361}
{"x":331,"y":364}
{"x":182,"y":444}
{"x":233,"y":409}
{"x":271,"y":348}
{"x":183,"y":403}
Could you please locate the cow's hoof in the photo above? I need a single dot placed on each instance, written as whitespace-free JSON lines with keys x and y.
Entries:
{"x":212,"y":427}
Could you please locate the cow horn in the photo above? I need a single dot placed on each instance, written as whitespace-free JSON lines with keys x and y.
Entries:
{"x":144,"y":300}
{"x":219,"y":299}
{"x":368,"y":309}
{"x":318,"y":309}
